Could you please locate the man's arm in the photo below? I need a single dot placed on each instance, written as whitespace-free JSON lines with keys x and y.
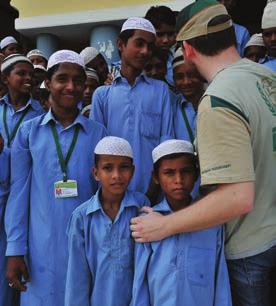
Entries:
{"x":228,"y":201}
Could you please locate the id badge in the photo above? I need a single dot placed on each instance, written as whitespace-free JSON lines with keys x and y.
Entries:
{"x":67,"y":189}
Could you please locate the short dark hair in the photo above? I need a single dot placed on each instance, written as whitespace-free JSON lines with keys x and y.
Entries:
{"x":156,"y":165}
{"x":213,"y":43}
{"x":159,"y":15}
{"x":125,"y":36}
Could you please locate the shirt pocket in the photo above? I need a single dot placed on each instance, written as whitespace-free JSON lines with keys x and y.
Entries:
{"x":200,"y":263}
{"x":126,"y":253}
{"x":150,"y":125}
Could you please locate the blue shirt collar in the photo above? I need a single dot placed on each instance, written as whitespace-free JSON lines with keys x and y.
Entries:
{"x":95,"y":204}
{"x":142,"y":76}
{"x":267,"y":58}
{"x":81,"y":120}
{"x":33,"y":103}
{"x":163,"y":207}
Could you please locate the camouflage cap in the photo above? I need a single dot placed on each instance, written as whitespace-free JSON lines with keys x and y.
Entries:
{"x":193,"y":20}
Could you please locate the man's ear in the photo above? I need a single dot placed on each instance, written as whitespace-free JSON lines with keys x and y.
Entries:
{"x":119,"y":44}
{"x":188,"y":51}
{"x":95,"y":174}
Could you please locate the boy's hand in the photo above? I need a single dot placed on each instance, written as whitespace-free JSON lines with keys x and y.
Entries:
{"x":1,"y":143}
{"x":16,"y":268}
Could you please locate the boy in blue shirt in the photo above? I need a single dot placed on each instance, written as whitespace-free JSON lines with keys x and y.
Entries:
{"x":135,"y":107}
{"x":16,"y":107}
{"x":101,"y":250}
{"x":50,"y":174}
{"x":184,"y":269}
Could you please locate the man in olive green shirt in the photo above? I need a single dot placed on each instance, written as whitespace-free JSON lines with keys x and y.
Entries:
{"x":236,"y":139}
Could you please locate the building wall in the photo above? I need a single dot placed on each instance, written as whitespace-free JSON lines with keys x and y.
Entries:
{"x":50,"y":7}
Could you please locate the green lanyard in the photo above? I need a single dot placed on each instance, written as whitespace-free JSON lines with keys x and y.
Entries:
{"x":64,"y":162}
{"x":11,"y":136}
{"x":191,"y":135}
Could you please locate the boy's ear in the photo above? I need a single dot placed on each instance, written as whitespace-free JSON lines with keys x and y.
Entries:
{"x":95,"y":174}
{"x":4,"y":79}
{"x":155,"y":178}
{"x":47,"y":84}
{"x":120,"y":44}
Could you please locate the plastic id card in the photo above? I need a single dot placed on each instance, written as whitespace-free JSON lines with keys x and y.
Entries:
{"x":67,"y":189}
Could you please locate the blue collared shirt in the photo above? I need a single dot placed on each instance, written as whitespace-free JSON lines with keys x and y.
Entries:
{"x":13,"y":116}
{"x":180,"y":128}
{"x":101,"y":253}
{"x":141,"y":114}
{"x":35,"y":220}
{"x":269,"y":62}
{"x":184,"y":269}
{"x":242,"y":37}
{"x":169,"y":75}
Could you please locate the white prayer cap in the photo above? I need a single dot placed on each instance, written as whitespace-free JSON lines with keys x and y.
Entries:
{"x":85,"y":109}
{"x":269,"y":16}
{"x":138,"y":23}
{"x":88,"y":54}
{"x":36,"y":52}
{"x":7,"y":41}
{"x":112,"y":145}
{"x":255,"y":40}
{"x":171,"y":146}
{"x":12,"y":59}
{"x":65,"y":56}
{"x":178,"y":58}
{"x":92,"y":73}
{"x":40,"y":67}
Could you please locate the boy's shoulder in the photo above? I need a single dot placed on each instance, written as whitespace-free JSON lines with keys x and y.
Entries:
{"x":137,"y":198}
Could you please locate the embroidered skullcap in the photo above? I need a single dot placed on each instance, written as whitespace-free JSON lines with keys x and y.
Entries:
{"x":92,"y":73}
{"x":269,"y":16}
{"x":88,"y":54}
{"x":171,"y":146}
{"x":193,"y":20}
{"x":178,"y":58}
{"x":65,"y":56}
{"x":85,"y":109}
{"x":112,"y":145}
{"x":138,"y":23}
{"x":7,"y":41}
{"x":40,"y":67}
{"x":12,"y":59}
{"x":255,"y":40}
{"x":37,"y":52}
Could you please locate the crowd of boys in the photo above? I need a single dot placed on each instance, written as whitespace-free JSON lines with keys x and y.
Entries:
{"x":101,"y":167}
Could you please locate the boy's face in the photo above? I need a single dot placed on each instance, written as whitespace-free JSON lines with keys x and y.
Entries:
{"x":66,"y":86}
{"x":19,"y":79}
{"x":100,"y":65}
{"x":156,"y":69}
{"x":11,"y":49}
{"x":90,"y":86}
{"x":269,"y":37}
{"x":137,"y":50}
{"x":187,"y":80}
{"x":255,"y":53}
{"x":38,"y":60}
{"x":165,"y":37}
{"x":114,"y":173}
{"x":176,"y":178}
